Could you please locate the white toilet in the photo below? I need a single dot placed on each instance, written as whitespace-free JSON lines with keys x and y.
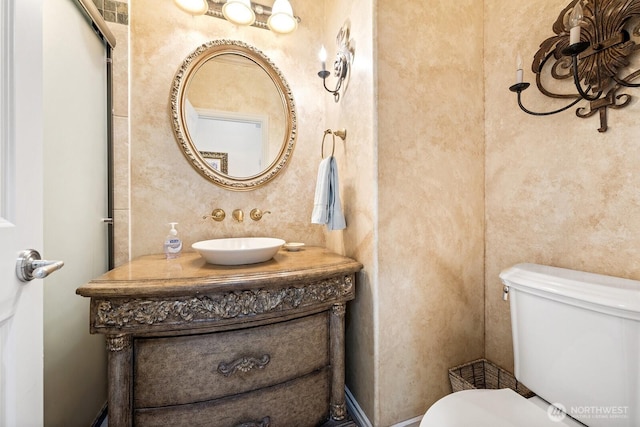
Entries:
{"x":576,"y":341}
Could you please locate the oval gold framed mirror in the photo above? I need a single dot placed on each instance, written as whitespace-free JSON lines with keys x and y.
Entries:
{"x":233,"y":115}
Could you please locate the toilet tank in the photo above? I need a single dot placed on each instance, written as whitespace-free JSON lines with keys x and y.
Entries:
{"x":576,"y":341}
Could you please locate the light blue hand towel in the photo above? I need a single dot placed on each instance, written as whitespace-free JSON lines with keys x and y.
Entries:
{"x":327,"y":208}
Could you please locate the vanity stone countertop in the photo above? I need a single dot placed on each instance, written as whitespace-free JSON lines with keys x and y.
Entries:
{"x":155,"y":276}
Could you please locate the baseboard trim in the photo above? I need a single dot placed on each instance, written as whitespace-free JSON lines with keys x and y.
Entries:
{"x":360,"y":417}
{"x":102,"y":415}
{"x":410,"y":422}
{"x":355,"y":410}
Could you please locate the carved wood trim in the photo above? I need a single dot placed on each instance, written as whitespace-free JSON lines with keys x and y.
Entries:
{"x":118,"y":342}
{"x":339,"y":309}
{"x":265,"y":422}
{"x":120,"y":374}
{"x":338,"y":411}
{"x":244,"y":364}
{"x":338,"y":406}
{"x":124,"y":313}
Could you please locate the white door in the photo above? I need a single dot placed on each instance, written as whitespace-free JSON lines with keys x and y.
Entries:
{"x":21,"y":219}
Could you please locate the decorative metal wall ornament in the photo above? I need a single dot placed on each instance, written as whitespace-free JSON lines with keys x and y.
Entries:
{"x":342,"y":64}
{"x":597,"y":59}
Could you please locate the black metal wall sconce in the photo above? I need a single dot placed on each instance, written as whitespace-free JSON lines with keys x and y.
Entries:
{"x":342,"y":63}
{"x":592,"y":46}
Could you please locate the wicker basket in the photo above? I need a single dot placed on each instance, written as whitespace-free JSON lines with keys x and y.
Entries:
{"x":481,"y":374}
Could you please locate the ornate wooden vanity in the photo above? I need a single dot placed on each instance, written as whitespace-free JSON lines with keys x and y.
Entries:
{"x":194,"y":344}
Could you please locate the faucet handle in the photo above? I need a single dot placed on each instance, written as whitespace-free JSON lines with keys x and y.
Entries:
{"x":256,"y":214}
{"x":217,"y":215}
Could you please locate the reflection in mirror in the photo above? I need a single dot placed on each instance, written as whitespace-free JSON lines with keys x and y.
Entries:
{"x":245,"y":120}
{"x":233,"y":115}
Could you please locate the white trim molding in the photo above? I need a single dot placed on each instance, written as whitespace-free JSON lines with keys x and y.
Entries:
{"x":361,"y":418}
{"x":413,"y":422}
{"x":355,"y":410}
{"x":7,"y":125}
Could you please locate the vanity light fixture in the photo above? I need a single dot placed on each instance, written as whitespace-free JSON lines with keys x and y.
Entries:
{"x":342,"y":63}
{"x":279,"y":18}
{"x":593,"y":44}
{"x":282,"y":20}
{"x":193,"y":7}
{"x":239,"y":12}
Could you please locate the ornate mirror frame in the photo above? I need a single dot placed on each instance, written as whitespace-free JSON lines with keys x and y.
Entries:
{"x":179,"y":89}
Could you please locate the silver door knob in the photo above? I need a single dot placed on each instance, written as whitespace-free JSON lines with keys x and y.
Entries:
{"x":31,"y":266}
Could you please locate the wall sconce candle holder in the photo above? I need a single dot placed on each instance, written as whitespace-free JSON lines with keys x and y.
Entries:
{"x":592,"y":47}
{"x":342,"y":63}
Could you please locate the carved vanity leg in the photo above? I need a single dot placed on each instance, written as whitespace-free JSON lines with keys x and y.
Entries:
{"x":338,"y":405}
{"x":120,"y":371}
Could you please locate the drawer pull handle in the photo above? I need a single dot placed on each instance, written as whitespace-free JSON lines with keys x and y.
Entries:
{"x":266,"y":422}
{"x":244,"y":364}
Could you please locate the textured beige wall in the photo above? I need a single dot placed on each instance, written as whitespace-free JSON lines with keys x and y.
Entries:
{"x":122,"y":168}
{"x":164,"y":187}
{"x":558,"y":192}
{"x":418,"y":191}
{"x":412,"y":176}
{"x":431,"y":200}
{"x":430,"y":180}
{"x":357,"y":165}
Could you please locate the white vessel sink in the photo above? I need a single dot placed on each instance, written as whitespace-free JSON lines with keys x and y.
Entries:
{"x":238,"y":250}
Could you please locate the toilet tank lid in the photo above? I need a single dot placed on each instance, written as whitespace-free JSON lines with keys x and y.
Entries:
{"x":611,"y":295}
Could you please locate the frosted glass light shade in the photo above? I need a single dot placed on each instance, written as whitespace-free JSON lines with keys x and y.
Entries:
{"x":239,"y":12}
{"x":194,"y":7}
{"x":282,"y":20}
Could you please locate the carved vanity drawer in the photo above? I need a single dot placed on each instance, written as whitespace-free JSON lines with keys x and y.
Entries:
{"x":197,"y":368}
{"x":302,"y":402}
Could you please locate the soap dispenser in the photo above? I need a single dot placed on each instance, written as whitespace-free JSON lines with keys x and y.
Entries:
{"x":172,"y":243}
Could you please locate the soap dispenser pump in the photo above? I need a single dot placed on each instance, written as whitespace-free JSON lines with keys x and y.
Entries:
{"x":172,"y":243}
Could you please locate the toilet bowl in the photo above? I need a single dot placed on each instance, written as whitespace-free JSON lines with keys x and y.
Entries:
{"x":493,"y":408}
{"x":576,"y":343}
